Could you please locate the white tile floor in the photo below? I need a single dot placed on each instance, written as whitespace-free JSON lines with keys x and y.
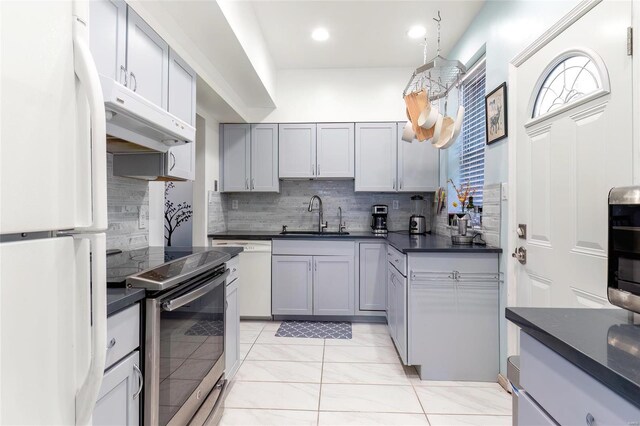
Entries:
{"x":297,"y":381}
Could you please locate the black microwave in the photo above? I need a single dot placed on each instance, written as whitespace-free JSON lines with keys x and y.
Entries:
{"x":624,"y":248}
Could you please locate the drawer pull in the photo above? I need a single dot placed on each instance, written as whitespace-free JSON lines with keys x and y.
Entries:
{"x":112,"y":343}
{"x":140,"y":381}
{"x":590,"y":419}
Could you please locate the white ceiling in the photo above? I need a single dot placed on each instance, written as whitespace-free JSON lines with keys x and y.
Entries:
{"x":363,"y":33}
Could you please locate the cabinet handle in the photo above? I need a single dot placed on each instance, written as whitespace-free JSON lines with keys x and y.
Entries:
{"x":112,"y":343}
{"x":590,"y":420}
{"x":173,"y":157}
{"x":394,"y":183}
{"x":312,"y":171}
{"x":133,"y":80}
{"x":318,"y":169}
{"x":400,"y":186}
{"x":246,"y":183}
{"x":309,"y":263}
{"x":140,"y":381}
{"x":315,"y":266}
{"x":123,"y":72}
{"x":253,"y":183}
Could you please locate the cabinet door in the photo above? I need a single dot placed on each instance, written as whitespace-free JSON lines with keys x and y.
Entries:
{"x":401,"y":315}
{"x":119,"y":398}
{"x":182,"y":89}
{"x":333,"y":285}
{"x":335,"y":151}
{"x":376,"y":146}
{"x":232,"y":331}
{"x":235,"y":147}
{"x":373,"y":277}
{"x":418,"y":165}
{"x":108,"y":38}
{"x":264,"y":158}
{"x":477,"y":329}
{"x":147,"y":61}
{"x":292,"y":285}
{"x":391,"y":302}
{"x":182,"y":161}
{"x":297,"y":151}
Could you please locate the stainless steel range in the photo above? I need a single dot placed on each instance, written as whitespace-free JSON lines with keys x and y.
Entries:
{"x":184,"y":338}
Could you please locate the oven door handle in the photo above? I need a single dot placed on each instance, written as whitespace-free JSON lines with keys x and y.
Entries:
{"x":173,"y":304}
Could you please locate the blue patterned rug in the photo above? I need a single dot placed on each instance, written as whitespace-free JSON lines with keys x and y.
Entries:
{"x":315,"y":329}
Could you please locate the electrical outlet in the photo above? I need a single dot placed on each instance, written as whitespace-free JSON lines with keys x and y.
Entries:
{"x":234,"y":204}
{"x":143,"y":217}
{"x":395,"y":204}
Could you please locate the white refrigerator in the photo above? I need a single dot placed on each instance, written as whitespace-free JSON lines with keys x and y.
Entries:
{"x":53,"y":215}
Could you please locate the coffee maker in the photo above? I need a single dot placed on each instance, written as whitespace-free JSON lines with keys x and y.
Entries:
{"x":379,"y":218}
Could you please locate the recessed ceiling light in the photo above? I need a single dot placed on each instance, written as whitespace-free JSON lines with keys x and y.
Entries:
{"x":417,"y":31}
{"x":320,"y":34}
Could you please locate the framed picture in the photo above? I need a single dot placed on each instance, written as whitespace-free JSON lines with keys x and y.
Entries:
{"x":496,"y":114}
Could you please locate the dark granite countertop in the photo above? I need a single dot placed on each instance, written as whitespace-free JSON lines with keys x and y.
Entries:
{"x":120,"y":298}
{"x":402,"y":241}
{"x":605,"y":343}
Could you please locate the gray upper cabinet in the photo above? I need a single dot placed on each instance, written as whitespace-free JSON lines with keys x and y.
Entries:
{"x":292,"y":285}
{"x":335,"y":150}
{"x":264,"y":158}
{"x":376,"y":150}
{"x":108,"y":37}
{"x":235,"y":153}
{"x":182,"y":89}
{"x":333,"y":285}
{"x":373,"y":276}
{"x":418,"y":165}
{"x":147,"y":61}
{"x":297,"y":151}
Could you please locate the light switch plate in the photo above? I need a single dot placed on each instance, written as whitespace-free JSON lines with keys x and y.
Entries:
{"x":234,"y":204}
{"x":395,"y":205}
{"x":143,"y":217}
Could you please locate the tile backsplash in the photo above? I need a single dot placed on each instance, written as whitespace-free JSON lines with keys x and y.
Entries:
{"x":126,"y":199}
{"x":269,"y":211}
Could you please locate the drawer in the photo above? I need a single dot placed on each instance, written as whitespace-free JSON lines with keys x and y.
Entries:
{"x":233,"y":266}
{"x":530,"y":414}
{"x":566,"y":392}
{"x":397,"y":259}
{"x":469,"y":263}
{"x":314,"y":247}
{"x":123,"y":334}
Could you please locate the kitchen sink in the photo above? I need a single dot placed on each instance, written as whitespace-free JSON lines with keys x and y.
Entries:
{"x":315,"y":233}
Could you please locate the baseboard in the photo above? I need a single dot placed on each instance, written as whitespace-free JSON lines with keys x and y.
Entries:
{"x":502,"y":381}
{"x":351,"y":318}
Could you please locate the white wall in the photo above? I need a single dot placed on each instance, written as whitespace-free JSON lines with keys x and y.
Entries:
{"x":319,"y":95}
{"x":504,"y":29}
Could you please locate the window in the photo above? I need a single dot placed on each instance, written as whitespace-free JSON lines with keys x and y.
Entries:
{"x":472,"y":141}
{"x":570,"y":80}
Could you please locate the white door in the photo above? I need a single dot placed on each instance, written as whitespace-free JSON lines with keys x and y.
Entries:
{"x":147,"y":60}
{"x":376,"y":145}
{"x":44,"y":300}
{"x":108,"y":38}
{"x":297,"y":150}
{"x":119,"y":399}
{"x":236,"y":153}
{"x":182,"y":89}
{"x":44,"y":134}
{"x":335,"y":151}
{"x":418,"y":165}
{"x":570,"y":154}
{"x":264,"y":158}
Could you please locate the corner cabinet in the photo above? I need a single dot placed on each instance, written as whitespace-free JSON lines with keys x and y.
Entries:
{"x":386,"y":163}
{"x":249,"y":154}
{"x":147,"y":61}
{"x":297,"y":156}
{"x":376,"y":157}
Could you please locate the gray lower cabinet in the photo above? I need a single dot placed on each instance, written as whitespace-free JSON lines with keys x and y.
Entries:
{"x":333,"y":285}
{"x":453,"y":316}
{"x":119,"y":398}
{"x":232,"y":330}
{"x":397,"y":310}
{"x":373,"y":277}
{"x":292,"y":285}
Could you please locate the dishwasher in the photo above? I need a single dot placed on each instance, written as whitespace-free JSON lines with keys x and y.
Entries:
{"x":254,"y":285}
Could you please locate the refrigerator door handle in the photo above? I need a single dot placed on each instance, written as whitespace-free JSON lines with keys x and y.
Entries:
{"x":85,"y":69}
{"x":87,"y":394}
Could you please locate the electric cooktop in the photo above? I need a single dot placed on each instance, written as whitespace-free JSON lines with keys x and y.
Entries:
{"x":160,"y":267}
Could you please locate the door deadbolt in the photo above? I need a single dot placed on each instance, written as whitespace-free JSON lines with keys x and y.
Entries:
{"x":522,"y":231}
{"x":520,"y":254}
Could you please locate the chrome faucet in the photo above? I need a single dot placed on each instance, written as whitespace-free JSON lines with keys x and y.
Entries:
{"x":341,"y":226}
{"x":321,"y":226}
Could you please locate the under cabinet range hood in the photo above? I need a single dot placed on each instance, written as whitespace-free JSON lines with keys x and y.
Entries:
{"x":133,"y":120}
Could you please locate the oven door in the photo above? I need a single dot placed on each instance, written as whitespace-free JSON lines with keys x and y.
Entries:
{"x":185,"y":348}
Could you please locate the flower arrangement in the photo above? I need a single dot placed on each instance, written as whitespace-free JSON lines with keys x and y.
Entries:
{"x":464,"y":192}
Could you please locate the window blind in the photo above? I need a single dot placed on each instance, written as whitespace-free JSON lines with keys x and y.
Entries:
{"x":471,"y":150}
